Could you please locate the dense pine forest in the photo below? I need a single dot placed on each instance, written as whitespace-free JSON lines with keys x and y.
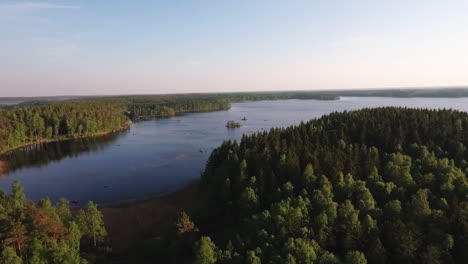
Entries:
{"x":24,"y":125}
{"x":46,"y":233}
{"x":39,"y":121}
{"x":385,"y":185}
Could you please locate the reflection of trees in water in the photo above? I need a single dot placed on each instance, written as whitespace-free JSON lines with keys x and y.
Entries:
{"x":42,"y":154}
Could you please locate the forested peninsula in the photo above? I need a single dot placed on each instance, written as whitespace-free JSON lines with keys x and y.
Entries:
{"x":43,"y":121}
{"x":384,"y":185}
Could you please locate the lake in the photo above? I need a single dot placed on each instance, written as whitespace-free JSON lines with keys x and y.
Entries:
{"x":159,"y":156}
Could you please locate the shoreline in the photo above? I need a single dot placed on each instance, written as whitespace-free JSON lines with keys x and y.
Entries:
{"x":148,"y":198}
{"x":131,"y":222}
{"x":59,"y":139}
{"x":176,"y":114}
{"x":3,"y":167}
{"x":102,"y":133}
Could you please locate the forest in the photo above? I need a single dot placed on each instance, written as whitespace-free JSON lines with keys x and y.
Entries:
{"x":20,"y":126}
{"x":49,"y":233}
{"x":42,"y":121}
{"x":380,"y":185}
{"x":383,"y":185}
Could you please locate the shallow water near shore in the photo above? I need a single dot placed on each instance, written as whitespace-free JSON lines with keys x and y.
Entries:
{"x":159,"y":156}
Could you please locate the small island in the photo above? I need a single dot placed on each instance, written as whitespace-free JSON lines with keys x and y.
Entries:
{"x":233,"y":124}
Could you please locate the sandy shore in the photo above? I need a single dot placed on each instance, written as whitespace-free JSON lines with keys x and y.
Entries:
{"x":130,"y":222}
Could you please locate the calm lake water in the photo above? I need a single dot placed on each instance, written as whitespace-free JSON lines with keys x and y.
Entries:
{"x":159,"y":156}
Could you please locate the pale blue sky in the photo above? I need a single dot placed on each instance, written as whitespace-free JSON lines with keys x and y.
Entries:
{"x":127,"y":47}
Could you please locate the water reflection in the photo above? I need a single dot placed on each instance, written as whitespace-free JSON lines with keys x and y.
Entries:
{"x":40,"y":155}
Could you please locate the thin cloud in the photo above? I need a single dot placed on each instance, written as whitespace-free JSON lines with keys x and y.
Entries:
{"x":30,"y":12}
{"x":194,"y":63}
{"x":357,"y":40}
{"x":30,"y":6}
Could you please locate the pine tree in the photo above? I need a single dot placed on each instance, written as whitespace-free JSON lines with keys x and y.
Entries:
{"x":90,"y":221}
{"x":184,"y":224}
{"x":205,"y":251}
{"x":252,"y":258}
{"x":355,"y":257}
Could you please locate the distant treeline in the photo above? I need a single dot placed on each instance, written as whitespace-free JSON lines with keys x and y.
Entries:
{"x":253,"y":96}
{"x":39,"y":121}
{"x":440,"y":92}
{"x":149,"y":106}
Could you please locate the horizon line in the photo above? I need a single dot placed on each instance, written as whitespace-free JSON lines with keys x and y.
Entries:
{"x":255,"y":91}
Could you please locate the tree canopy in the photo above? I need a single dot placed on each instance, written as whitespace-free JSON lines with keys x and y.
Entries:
{"x":383,"y":185}
{"x":47,"y":233}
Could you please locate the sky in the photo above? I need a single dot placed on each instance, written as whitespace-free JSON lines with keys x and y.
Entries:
{"x":96,"y":47}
